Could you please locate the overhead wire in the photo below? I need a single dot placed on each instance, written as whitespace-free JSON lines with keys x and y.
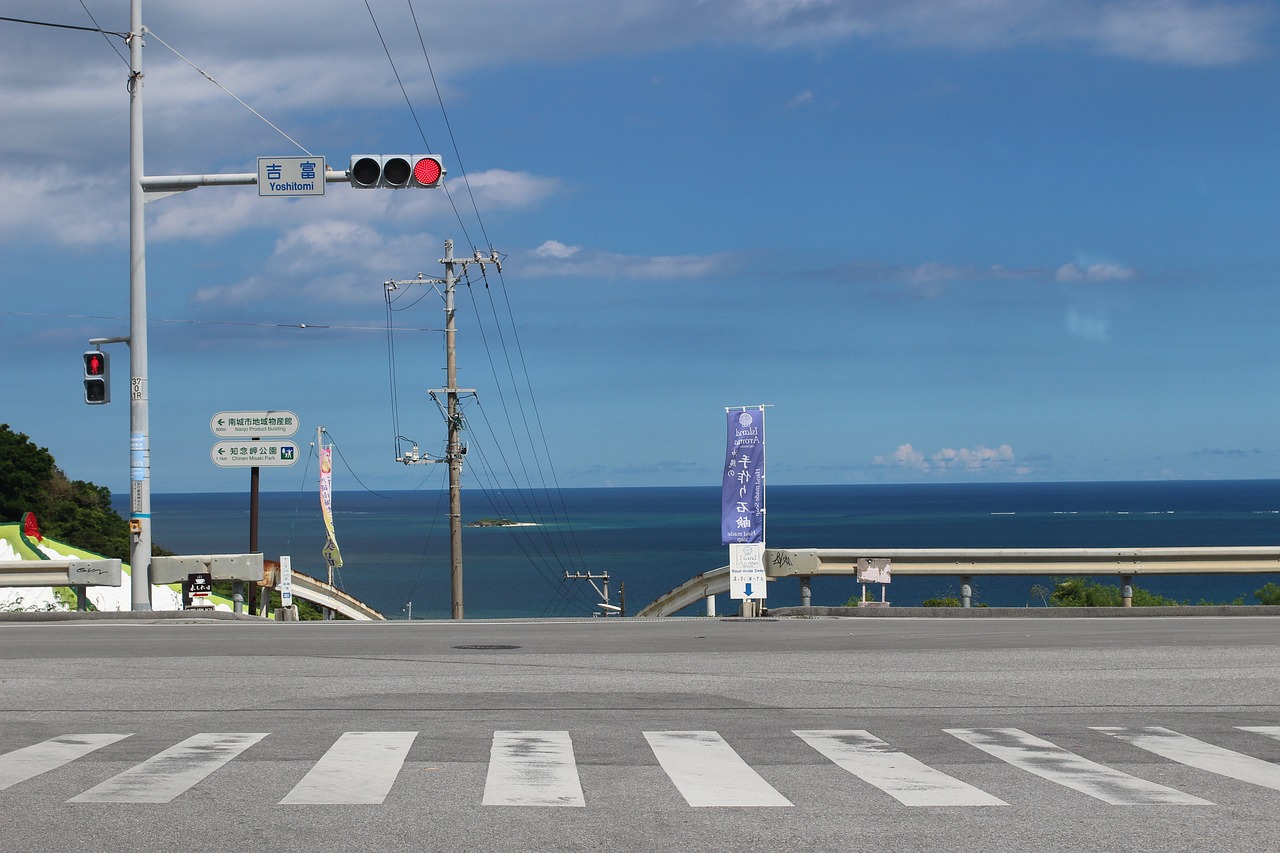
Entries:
{"x":549,"y":511}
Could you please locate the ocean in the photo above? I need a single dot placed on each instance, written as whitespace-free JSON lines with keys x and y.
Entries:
{"x":395,"y":545}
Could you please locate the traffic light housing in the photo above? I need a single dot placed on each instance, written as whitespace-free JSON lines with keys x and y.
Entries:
{"x":97,"y":378}
{"x":396,"y":171}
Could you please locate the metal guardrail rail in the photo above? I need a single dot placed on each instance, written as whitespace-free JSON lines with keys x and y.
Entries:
{"x":965,"y":563}
{"x":1027,"y":561}
{"x":67,"y":572}
{"x":318,"y":592}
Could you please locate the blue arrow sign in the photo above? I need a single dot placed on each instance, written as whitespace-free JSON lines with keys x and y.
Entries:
{"x":747,"y":589}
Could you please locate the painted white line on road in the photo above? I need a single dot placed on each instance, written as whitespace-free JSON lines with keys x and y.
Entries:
{"x":1203,"y":756}
{"x":360,"y":767}
{"x":164,"y":776}
{"x":708,"y":772}
{"x":902,"y":777}
{"x":528,"y":768}
{"x":1052,"y":762}
{"x":22,"y":764}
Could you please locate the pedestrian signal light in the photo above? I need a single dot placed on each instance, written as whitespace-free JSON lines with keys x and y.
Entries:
{"x":396,"y":171}
{"x":97,"y":385}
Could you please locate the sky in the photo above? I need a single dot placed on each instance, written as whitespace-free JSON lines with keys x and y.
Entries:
{"x":941,"y":241}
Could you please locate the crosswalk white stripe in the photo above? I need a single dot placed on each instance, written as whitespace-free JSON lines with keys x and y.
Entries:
{"x":1196,"y":753}
{"x":902,"y":777}
{"x":1058,"y":765}
{"x":708,"y":772}
{"x":360,"y":767}
{"x":22,"y":764}
{"x":167,"y":774}
{"x":531,"y":768}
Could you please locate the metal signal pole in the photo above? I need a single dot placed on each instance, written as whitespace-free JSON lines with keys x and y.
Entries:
{"x":139,"y":412}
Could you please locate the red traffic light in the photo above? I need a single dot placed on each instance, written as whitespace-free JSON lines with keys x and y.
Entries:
{"x":97,"y":382}
{"x":95,"y":364}
{"x":427,"y":171}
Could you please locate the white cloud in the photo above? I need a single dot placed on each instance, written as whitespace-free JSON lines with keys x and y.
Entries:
{"x":500,"y":188}
{"x":556,"y":249}
{"x":1181,"y":31}
{"x":971,"y":460}
{"x":1097,"y":272}
{"x":555,"y":259}
{"x":1088,"y":325}
{"x":801,"y":99}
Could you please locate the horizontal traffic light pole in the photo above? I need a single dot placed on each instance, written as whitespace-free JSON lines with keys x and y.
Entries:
{"x":163,"y":185}
{"x":367,"y":171}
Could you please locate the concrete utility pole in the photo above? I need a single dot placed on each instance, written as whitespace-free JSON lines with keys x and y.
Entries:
{"x":139,"y":412}
{"x":454,"y":449}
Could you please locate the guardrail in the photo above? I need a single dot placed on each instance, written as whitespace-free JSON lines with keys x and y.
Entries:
{"x":75,"y":573}
{"x":319,"y":592}
{"x":804,"y":563}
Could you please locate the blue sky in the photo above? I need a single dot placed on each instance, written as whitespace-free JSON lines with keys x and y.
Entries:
{"x":944,"y":241}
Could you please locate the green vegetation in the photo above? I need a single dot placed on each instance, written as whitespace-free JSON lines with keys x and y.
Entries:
{"x":70,"y":510}
{"x":1269,"y":594}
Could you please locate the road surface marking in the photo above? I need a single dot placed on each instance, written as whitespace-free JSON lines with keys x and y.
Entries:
{"x":708,"y":772}
{"x":1203,"y":756}
{"x":360,"y":767}
{"x":1062,"y":767}
{"x":902,"y":777}
{"x":164,"y":776}
{"x":532,"y":769}
{"x":22,"y":764}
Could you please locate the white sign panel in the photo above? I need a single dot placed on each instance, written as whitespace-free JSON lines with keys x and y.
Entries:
{"x":873,"y":570}
{"x":254,"y":454}
{"x":746,"y":570}
{"x":273,"y":423}
{"x":290,"y":176}
{"x":286,"y":581}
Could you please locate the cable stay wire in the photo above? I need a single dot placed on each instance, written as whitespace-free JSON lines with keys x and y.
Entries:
{"x":206,"y":75}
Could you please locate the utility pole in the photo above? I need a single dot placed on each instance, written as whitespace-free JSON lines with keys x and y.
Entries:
{"x":454,"y":449}
{"x":139,"y":412}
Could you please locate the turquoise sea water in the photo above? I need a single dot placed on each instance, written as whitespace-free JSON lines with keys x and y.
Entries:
{"x":395,"y":546}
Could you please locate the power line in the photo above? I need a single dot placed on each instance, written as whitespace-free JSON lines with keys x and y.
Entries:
{"x":307,"y":326}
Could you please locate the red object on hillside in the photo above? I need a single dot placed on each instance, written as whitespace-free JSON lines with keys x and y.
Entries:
{"x":30,"y":528}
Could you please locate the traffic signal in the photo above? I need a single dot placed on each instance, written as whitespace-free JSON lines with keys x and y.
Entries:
{"x":97,"y":378}
{"x":396,"y":171}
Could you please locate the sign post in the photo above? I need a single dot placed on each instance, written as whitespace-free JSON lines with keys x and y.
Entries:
{"x":742,"y":504}
{"x":242,"y":447}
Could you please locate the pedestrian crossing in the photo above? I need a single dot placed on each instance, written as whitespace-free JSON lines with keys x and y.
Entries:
{"x":540,"y":769}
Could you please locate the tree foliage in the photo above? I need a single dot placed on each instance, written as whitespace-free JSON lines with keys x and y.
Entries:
{"x":73,"y":511}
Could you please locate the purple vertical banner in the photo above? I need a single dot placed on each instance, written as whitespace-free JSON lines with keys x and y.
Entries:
{"x":742,"y":492}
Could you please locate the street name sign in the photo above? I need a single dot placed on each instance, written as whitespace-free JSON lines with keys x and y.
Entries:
{"x":290,"y":176}
{"x":273,"y":423}
{"x":254,"y":454}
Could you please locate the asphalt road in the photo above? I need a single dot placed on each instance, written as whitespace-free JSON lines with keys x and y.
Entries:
{"x":683,"y":734}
